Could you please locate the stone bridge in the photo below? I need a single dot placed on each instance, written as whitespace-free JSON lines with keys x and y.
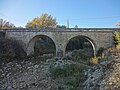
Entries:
{"x":98,"y":37}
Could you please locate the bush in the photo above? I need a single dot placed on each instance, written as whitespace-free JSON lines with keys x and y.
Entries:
{"x":66,"y":70}
{"x":100,"y":51}
{"x":94,"y":60}
{"x":80,"y":56}
{"x":116,"y":38}
{"x":73,"y":74}
{"x":11,"y":49}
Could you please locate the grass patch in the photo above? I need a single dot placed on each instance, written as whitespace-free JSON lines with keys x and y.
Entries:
{"x":74,"y":74}
{"x":80,"y":56}
{"x":67,"y":70}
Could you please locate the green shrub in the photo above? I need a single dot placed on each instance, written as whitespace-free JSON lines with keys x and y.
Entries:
{"x":44,"y":46}
{"x":67,"y":58}
{"x":76,"y":81}
{"x":100,"y":51}
{"x":73,"y":74}
{"x":116,"y":38}
{"x":72,"y":82}
{"x":66,"y":70}
{"x":79,"y":55}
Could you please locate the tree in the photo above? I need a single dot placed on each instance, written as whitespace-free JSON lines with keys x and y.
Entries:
{"x":76,"y":26}
{"x":43,"y":21}
{"x":5,"y":24}
{"x":118,"y":24}
{"x":61,"y":26}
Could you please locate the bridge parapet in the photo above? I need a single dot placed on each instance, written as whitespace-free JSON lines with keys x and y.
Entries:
{"x":61,"y":30}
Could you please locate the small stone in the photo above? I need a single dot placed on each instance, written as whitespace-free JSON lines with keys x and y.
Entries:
{"x":9,"y":88}
{"x":36,"y":66}
{"x":28,"y":68}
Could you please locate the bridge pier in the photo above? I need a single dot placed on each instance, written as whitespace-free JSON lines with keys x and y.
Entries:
{"x":60,"y":50}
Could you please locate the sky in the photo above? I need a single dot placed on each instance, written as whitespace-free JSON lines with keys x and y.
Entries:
{"x":83,"y":13}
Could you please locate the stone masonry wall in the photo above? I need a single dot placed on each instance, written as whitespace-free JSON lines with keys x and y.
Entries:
{"x":27,"y":37}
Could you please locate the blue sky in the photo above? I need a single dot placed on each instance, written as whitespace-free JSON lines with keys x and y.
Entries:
{"x":83,"y":13}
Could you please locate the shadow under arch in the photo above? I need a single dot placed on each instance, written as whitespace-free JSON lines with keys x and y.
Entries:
{"x":92,"y":43}
{"x":44,"y":40}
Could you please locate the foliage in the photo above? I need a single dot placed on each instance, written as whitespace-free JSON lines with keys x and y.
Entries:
{"x":61,"y":26}
{"x":116,"y":38}
{"x":44,"y":46}
{"x":44,"y":21}
{"x":72,"y":83}
{"x":94,"y":60}
{"x":67,"y":70}
{"x":80,"y":56}
{"x":100,"y":51}
{"x":76,"y":55}
{"x":73,"y":74}
{"x":80,"y":43}
{"x":76,"y":26}
{"x":10,"y":49}
{"x":5,"y":24}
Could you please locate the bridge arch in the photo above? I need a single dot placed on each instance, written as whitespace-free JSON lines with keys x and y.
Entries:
{"x":34,"y":39}
{"x":89,"y":40}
